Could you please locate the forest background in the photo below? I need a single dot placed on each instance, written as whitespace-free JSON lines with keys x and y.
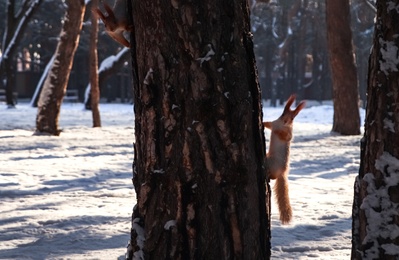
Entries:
{"x":289,"y":39}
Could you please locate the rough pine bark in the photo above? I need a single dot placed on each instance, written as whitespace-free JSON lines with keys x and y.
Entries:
{"x":94,"y":79}
{"x":376,"y":198}
{"x":199,"y":166}
{"x":346,"y":119}
{"x":56,"y":82}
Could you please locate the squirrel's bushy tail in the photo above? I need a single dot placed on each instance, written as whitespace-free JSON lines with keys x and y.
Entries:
{"x":282,"y":198}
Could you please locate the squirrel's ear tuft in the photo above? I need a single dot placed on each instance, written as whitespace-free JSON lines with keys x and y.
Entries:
{"x":290,"y":101}
{"x":108,"y":9}
{"x":300,"y":106}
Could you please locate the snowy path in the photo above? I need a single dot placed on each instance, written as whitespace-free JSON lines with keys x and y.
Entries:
{"x":70,"y":197}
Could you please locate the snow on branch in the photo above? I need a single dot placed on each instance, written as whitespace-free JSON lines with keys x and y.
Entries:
{"x":26,"y":5}
{"x":371,"y":6}
{"x":22,"y":20}
{"x":105,"y":67}
{"x":41,"y":81}
{"x":108,"y":62}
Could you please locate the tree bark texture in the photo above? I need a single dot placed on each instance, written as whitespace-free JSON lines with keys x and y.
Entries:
{"x":56,"y":82}
{"x":376,"y":199}
{"x":94,"y":80}
{"x":345,"y":85}
{"x":199,"y":166}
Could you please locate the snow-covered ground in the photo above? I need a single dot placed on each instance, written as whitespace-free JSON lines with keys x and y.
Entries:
{"x":71,"y":197}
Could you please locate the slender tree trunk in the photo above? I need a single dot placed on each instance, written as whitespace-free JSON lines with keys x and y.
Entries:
{"x":287,"y":54}
{"x":57,"y":80}
{"x":109,"y":66}
{"x":301,"y":50}
{"x":7,"y":63}
{"x":264,"y":19}
{"x":16,"y":24}
{"x":94,"y":85}
{"x":9,"y":70}
{"x":324,"y":81}
{"x":316,"y":89}
{"x":199,"y":170}
{"x":345,"y":85}
{"x":375,"y":208}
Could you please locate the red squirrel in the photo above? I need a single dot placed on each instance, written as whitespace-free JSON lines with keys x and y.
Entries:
{"x":117,"y":22}
{"x":278,"y":156}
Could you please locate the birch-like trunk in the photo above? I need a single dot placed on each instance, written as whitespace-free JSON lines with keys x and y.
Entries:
{"x":55,"y":85}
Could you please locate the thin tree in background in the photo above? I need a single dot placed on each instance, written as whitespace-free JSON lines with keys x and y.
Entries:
{"x":264,"y":17}
{"x":108,"y":67}
{"x":199,"y":164}
{"x":55,"y":85}
{"x":376,"y":200}
{"x":362,"y":16}
{"x":94,"y":85}
{"x":345,"y":84}
{"x":17,"y":21}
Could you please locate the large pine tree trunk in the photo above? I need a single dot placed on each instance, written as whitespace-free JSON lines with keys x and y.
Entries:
{"x":375,"y":207}
{"x":56,"y":82}
{"x":199,"y":167}
{"x":345,"y":85}
{"x":94,"y":80}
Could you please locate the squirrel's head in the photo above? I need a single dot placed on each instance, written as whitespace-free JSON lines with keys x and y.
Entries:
{"x":288,"y":115}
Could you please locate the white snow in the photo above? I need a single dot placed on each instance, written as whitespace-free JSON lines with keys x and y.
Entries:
{"x":207,"y":56}
{"x":42,"y":79}
{"x":148,"y":77}
{"x":71,"y":197}
{"x":379,"y":208}
{"x":390,"y":56}
{"x":392,"y":6}
{"x":139,"y":230}
{"x":18,"y":29}
{"x":389,"y":124}
{"x":169,"y":224}
{"x":109,"y":61}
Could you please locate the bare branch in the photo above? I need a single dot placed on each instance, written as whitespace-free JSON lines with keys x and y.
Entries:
{"x":371,"y":6}
{"x":21,"y":24}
